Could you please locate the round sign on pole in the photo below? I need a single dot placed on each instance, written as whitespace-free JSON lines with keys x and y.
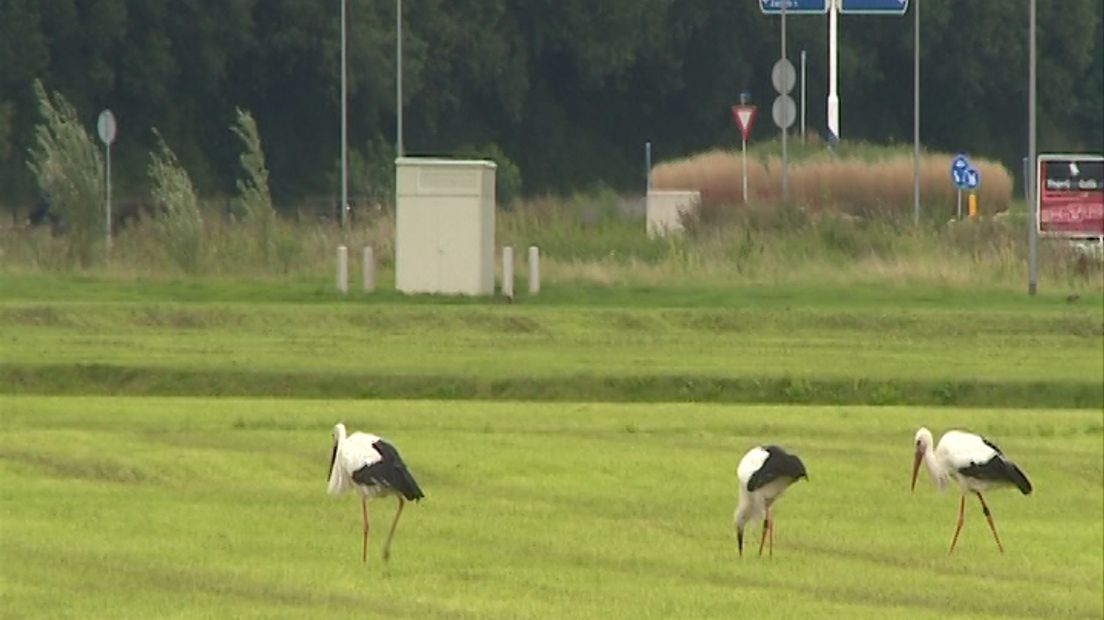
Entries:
{"x":105,"y":126}
{"x":972,"y":178}
{"x":784,"y":111}
{"x":783,"y":76}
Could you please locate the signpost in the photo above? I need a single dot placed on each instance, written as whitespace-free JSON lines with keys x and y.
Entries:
{"x":105,"y":127}
{"x":1070,"y":195}
{"x":744,"y":116}
{"x":963,"y":176}
{"x":784,"y":111}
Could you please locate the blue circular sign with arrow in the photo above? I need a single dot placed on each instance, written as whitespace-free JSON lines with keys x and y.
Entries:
{"x":972,"y":178}
{"x":960,"y":168}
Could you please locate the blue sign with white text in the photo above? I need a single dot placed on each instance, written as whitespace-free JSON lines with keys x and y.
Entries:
{"x":877,"y":7}
{"x":774,"y":7}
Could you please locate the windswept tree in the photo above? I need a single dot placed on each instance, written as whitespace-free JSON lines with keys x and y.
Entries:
{"x":178,"y":223}
{"x":253,"y":205}
{"x":69,"y":171}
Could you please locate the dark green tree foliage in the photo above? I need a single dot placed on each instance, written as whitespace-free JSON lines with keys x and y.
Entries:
{"x":568,"y":90}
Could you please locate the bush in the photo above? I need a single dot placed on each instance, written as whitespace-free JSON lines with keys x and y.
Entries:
{"x":253,"y":205}
{"x":507,"y":174}
{"x":178,"y":224}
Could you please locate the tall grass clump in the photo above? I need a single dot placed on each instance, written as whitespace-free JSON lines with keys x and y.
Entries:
{"x":69,"y":170}
{"x":253,"y":204}
{"x":178,"y":224}
{"x":857,"y":181}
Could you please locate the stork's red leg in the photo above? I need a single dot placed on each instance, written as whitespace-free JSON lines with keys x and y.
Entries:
{"x":364,"y":549}
{"x":395,"y":522}
{"x":771,"y":534}
{"x":989,"y":518}
{"x":958,"y":528}
{"x":766,"y":530}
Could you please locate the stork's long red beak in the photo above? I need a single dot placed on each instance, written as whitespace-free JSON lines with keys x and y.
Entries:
{"x":916,"y":468}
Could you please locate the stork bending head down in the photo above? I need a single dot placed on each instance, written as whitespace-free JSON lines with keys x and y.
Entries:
{"x":373,"y":468}
{"x":764,"y":473}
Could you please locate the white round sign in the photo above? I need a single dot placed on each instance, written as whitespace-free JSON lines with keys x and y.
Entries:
{"x":783,"y":76}
{"x":105,"y":126}
{"x":784,"y":111}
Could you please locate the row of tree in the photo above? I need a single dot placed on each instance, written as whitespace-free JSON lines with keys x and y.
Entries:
{"x":568,"y":90}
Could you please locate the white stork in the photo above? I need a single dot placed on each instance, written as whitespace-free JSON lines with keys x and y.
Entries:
{"x":974,"y":462}
{"x":374,"y":468}
{"x":764,"y":473}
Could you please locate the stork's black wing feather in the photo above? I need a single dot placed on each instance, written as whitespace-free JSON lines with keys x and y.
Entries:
{"x":998,"y":469}
{"x":778,"y":464}
{"x":991,"y":444}
{"x":390,"y":471}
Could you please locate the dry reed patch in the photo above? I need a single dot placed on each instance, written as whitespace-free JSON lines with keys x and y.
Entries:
{"x":852,"y":185}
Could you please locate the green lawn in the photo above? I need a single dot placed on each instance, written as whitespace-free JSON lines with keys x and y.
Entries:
{"x":189,"y":507}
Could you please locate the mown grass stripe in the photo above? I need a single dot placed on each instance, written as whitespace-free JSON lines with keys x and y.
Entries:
{"x":107,"y":379}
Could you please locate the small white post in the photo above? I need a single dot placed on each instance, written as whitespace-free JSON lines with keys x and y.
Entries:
{"x":342,"y":269}
{"x":368,"y":270}
{"x":508,"y":272}
{"x":534,"y":270}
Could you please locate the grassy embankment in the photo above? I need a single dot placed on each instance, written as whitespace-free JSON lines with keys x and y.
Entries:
{"x":741,"y":344}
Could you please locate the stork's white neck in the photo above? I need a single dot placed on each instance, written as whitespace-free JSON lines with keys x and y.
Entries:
{"x":935,"y":468}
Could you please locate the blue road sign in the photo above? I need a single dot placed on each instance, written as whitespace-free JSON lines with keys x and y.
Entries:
{"x":972,"y":178}
{"x":774,"y":7}
{"x":873,"y":7}
{"x":959,"y":168}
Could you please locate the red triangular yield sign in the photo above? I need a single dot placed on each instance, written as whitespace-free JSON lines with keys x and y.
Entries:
{"x":744,"y":115}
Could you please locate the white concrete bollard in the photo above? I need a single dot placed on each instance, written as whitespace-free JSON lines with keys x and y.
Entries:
{"x":508,"y":272}
{"x":342,"y":269}
{"x":534,"y":270}
{"x":368,"y":270}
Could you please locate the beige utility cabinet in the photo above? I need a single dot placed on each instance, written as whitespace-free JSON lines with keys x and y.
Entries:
{"x":665,"y":209}
{"x":445,"y":225}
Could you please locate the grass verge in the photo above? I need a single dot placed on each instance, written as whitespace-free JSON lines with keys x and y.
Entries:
{"x":195,"y":508}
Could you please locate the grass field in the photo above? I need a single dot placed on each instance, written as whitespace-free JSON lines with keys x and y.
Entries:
{"x":189,"y":507}
{"x":851,"y":345}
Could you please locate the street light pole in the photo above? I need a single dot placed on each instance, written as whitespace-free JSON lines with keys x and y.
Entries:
{"x":344,"y":126}
{"x":785,"y":174}
{"x":398,"y":79}
{"x":1032,"y":202}
{"x":916,"y":113}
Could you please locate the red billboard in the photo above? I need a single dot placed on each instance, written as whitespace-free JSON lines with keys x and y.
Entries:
{"x":1070,"y":196}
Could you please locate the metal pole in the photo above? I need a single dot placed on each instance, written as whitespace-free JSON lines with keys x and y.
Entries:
{"x":647,"y":166}
{"x":833,"y":69}
{"x":916,"y":112}
{"x":107,"y":209}
{"x":803,"y":96}
{"x":344,"y":125}
{"x":743,"y":149}
{"x":785,"y":173}
{"x":398,"y":80}
{"x":1033,"y":233}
